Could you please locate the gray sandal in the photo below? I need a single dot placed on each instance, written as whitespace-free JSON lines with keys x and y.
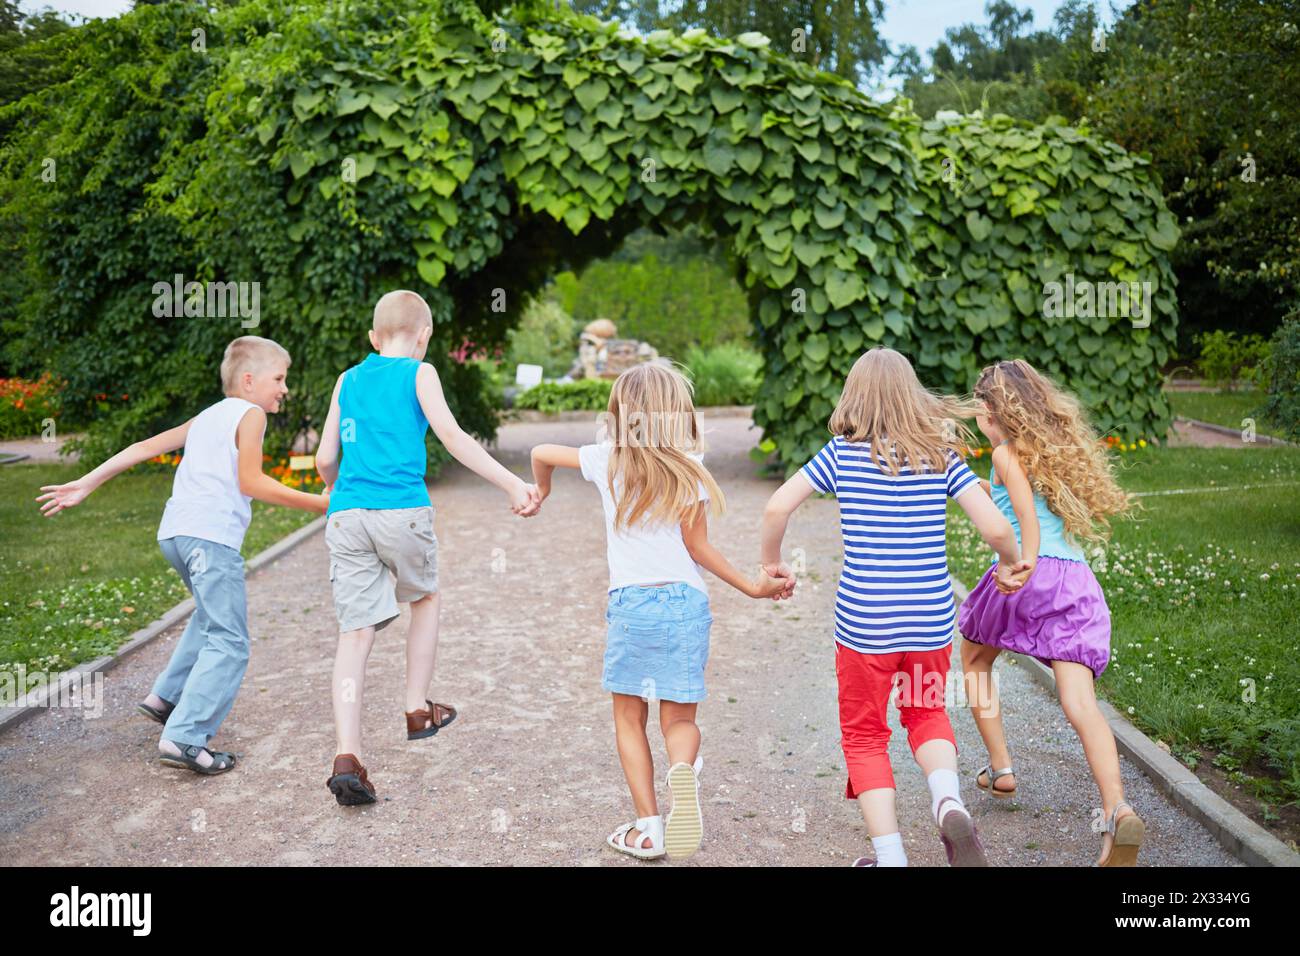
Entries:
{"x":994,"y":776}
{"x":160,"y":714}
{"x":188,"y":760}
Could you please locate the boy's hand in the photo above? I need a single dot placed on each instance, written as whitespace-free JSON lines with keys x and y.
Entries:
{"x":58,"y":497}
{"x":325,"y":499}
{"x":767,"y":586}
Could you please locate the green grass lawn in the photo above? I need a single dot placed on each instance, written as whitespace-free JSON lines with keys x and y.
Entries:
{"x":1221,"y":408}
{"x":1204,"y":592}
{"x":74,"y":586}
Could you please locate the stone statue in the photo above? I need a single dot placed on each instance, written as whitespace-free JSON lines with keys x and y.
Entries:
{"x":601,"y":355}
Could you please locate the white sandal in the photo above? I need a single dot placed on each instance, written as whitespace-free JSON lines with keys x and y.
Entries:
{"x":651,"y":828}
{"x":685,"y":828}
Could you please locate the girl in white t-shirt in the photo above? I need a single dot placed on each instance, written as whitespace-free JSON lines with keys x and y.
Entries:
{"x":656,"y":494}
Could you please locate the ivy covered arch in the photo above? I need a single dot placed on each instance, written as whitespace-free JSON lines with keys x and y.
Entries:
{"x":331,"y":151}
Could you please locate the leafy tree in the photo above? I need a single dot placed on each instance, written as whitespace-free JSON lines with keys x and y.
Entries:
{"x":839,"y":36}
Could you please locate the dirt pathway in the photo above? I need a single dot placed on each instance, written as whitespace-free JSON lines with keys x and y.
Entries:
{"x":528,"y":774}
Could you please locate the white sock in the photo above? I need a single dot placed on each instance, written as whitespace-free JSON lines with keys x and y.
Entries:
{"x":889,"y":850}
{"x":944,"y":783}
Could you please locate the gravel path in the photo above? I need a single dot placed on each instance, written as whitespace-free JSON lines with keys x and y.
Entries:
{"x":529,"y":774}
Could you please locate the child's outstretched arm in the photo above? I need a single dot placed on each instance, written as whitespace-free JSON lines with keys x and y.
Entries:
{"x":58,"y":497}
{"x":695,"y":534}
{"x":776,"y":516}
{"x":524,"y":500}
{"x":1016,"y":482}
{"x":254,"y":483}
{"x":327,"y":452}
{"x":546,"y":458}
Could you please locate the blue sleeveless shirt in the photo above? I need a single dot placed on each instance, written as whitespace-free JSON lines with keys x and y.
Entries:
{"x":1052,"y":540}
{"x":381,"y":431}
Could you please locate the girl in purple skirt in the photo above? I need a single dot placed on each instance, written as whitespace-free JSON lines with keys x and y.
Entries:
{"x":1052,"y":479}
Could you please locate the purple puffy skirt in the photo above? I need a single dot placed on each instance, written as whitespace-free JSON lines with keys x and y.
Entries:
{"x":1059,"y":615}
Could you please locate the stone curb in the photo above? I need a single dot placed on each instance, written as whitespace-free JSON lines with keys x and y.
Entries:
{"x":1237,"y":833}
{"x":1232,"y":432}
{"x":11,"y":715}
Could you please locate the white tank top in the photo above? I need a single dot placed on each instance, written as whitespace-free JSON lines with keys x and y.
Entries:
{"x":206,"y":501}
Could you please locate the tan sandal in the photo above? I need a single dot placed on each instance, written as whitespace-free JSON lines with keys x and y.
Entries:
{"x":428,"y":720}
{"x":994,"y":776}
{"x":1126,"y":837}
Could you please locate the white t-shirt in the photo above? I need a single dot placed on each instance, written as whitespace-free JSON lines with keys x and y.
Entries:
{"x":646,"y":554}
{"x":206,"y":501}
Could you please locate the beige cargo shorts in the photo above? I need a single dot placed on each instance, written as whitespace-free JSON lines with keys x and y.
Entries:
{"x":378,"y":559}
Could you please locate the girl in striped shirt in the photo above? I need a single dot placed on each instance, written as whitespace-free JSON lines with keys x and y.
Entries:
{"x":893,"y":463}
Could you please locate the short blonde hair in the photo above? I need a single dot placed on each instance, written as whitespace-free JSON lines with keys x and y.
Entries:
{"x":248,"y":353}
{"x":401,"y":313}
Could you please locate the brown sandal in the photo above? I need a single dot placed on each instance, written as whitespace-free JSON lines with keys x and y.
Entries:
{"x":429,"y":720}
{"x":349,"y":783}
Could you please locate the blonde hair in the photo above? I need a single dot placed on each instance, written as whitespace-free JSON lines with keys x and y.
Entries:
{"x":885,"y":404}
{"x":401,"y":313}
{"x":248,"y":353}
{"x":1057,"y":446}
{"x":652,"y":418}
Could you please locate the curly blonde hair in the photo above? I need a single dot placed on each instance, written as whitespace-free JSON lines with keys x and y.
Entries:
{"x":1066,"y":462}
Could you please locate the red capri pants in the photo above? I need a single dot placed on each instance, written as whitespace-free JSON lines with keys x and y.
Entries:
{"x":867,"y":681}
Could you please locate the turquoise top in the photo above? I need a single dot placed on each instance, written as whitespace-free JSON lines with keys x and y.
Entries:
{"x":381,"y":431}
{"x":1052,"y":541}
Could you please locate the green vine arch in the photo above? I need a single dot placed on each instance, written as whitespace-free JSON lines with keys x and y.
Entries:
{"x":334,"y":150}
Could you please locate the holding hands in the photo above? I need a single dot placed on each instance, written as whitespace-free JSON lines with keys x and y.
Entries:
{"x":525,"y":499}
{"x":780,"y":575}
{"x":1010,"y":578}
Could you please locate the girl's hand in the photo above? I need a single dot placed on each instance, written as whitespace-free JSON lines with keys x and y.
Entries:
{"x":782,"y":572}
{"x":524,"y":499}
{"x":1012,"y":577}
{"x":767,"y":586}
{"x":58,"y":497}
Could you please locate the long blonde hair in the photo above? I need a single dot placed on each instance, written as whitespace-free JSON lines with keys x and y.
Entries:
{"x":884,"y":403}
{"x":651,"y":421}
{"x":1057,"y":446}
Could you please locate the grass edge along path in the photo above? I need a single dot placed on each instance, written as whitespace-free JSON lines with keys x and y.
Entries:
{"x":79,"y":584}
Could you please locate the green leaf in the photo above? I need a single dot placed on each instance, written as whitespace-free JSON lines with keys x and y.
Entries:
{"x":431,"y":270}
{"x":844,"y":288}
{"x":816,"y":348}
{"x":981,"y":227}
{"x":350,"y":101}
{"x":592,"y":93}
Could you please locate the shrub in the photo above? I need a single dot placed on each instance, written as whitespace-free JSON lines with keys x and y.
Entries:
{"x":724,"y":375}
{"x":1282,"y":375}
{"x":546,"y":336}
{"x":1227,"y":357}
{"x":588,"y":394}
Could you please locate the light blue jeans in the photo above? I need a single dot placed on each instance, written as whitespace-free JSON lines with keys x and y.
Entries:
{"x":205,"y":671}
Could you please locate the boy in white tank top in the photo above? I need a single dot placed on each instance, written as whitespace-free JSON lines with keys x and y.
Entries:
{"x":201,"y":533}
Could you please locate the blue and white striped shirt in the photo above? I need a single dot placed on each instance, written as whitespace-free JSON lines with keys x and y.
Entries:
{"x":894,"y":592}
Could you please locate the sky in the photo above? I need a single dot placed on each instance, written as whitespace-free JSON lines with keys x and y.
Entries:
{"x":918,"y":22}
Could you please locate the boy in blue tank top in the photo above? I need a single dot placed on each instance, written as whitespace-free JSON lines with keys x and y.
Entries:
{"x":380,"y":522}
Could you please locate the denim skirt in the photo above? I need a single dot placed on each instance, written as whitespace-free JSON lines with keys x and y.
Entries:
{"x":657,"y":642}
